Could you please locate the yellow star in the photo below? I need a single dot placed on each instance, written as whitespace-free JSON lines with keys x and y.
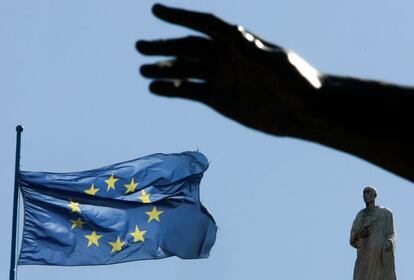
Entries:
{"x":93,"y":238}
{"x":92,"y":190}
{"x":117,"y":245}
{"x":111,"y":182}
{"x":131,"y":186}
{"x":145,"y":197}
{"x":138,"y":235}
{"x":74,"y":206}
{"x":77,"y":223}
{"x":154,"y":214}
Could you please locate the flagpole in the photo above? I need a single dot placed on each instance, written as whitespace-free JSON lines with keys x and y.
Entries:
{"x":19,"y":130}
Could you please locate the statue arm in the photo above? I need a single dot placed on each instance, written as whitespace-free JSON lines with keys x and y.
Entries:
{"x":392,"y":237}
{"x":354,"y":238}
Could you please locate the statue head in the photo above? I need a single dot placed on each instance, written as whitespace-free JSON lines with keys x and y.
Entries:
{"x":370,"y":193}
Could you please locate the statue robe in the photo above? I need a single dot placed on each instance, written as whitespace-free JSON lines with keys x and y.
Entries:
{"x":369,"y":234}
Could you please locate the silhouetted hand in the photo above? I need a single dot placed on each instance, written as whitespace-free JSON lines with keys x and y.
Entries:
{"x":273,"y":90}
{"x":231,"y":70}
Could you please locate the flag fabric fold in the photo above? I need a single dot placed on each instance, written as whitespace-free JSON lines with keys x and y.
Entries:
{"x":148,"y":208}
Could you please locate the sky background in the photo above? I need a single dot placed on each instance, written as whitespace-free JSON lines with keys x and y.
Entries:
{"x":284,"y":207}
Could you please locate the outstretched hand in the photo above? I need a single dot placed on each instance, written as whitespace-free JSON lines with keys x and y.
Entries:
{"x":271,"y":89}
{"x":231,"y":70}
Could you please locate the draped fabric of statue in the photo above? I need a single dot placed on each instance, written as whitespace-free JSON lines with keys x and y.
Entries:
{"x":374,"y":238}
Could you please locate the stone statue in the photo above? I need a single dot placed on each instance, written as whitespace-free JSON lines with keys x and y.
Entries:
{"x":374,"y":238}
{"x":272,"y":89}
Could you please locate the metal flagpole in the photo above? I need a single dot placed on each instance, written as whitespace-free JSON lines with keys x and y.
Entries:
{"x":19,"y":130}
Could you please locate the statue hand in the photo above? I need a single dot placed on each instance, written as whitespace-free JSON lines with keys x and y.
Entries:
{"x":366,"y":230}
{"x":231,"y":70}
{"x":388,"y":245}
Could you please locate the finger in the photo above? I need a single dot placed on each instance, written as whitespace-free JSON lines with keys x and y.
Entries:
{"x":191,"y":46}
{"x":205,"y":23}
{"x":250,"y":37}
{"x":182,"y":89}
{"x":176,"y":69}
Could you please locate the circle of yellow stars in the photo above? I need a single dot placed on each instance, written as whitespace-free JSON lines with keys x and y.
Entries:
{"x":138,"y":234}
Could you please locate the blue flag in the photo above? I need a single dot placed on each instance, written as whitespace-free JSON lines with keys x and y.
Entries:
{"x":148,"y":208}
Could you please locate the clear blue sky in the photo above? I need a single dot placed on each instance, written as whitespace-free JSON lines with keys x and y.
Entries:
{"x":284,"y":207}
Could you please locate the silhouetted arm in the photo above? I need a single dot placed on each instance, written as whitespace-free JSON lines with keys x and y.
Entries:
{"x":369,"y":119}
{"x":273,"y":90}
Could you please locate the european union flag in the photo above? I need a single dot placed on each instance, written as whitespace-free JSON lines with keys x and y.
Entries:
{"x":148,"y":208}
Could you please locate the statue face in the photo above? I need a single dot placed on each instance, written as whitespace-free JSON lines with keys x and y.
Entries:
{"x":369,"y":194}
